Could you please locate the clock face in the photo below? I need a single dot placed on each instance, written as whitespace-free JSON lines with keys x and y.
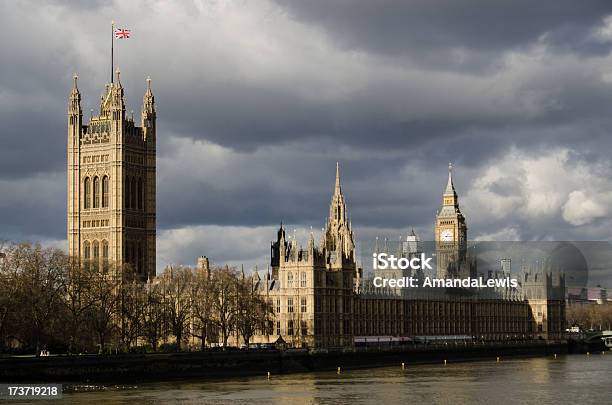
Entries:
{"x":446,"y":235}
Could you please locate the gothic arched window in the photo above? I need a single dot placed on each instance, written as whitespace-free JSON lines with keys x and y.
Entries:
{"x":134,"y":191}
{"x":96,"y":253}
{"x":127,"y":252}
{"x":105,"y":192}
{"x":96,"y":192}
{"x":86,"y":251}
{"x":87,"y":193}
{"x":104,"y":255}
{"x":140,"y":194}
{"x":289,"y":279}
{"x":96,"y":250}
{"x":127,"y":192}
{"x":303,"y":279}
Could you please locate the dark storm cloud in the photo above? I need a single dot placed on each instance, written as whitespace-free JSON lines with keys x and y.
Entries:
{"x":413,"y":28}
{"x":257,"y":101}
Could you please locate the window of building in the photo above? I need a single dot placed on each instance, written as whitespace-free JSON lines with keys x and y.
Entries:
{"x":278,"y":328}
{"x":104,"y":256}
{"x":128,"y":203}
{"x":86,"y":250}
{"x":289,"y":304}
{"x":105,"y":192}
{"x":304,"y":328}
{"x":96,"y":192}
{"x":96,"y":253}
{"x":134,"y":192}
{"x":128,"y":251}
{"x":278,"y":306}
{"x":289,"y":279}
{"x":86,"y":253}
{"x":303,"y":279}
{"x":87,"y":193}
{"x":303,"y":304}
{"x":96,"y":250}
{"x":290,"y":328}
{"x":140,"y":194}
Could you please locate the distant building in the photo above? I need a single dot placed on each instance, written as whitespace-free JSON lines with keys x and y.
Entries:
{"x":111,"y":181}
{"x":587,"y":295}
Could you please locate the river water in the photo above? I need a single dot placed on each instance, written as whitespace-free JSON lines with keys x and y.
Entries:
{"x":569,"y":379}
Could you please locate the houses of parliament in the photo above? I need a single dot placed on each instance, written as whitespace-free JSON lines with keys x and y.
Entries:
{"x":318,"y":293}
{"x":321,"y":298}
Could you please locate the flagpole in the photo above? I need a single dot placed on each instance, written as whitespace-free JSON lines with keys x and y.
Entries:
{"x":112,"y":49}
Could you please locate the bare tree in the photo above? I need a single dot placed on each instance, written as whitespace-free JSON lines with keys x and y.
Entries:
{"x":176,"y":284}
{"x":202,"y":298}
{"x":9,"y":293}
{"x":590,"y":316}
{"x":224,"y":284}
{"x":252,"y":309}
{"x":131,"y":310}
{"x":105,"y":297}
{"x":77,"y":301}
{"x":153,"y":314}
{"x":39,"y":275}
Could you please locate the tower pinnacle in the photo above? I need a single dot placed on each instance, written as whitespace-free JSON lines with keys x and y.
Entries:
{"x":148,"y":101}
{"x":337,"y":189}
{"x":450,"y":188}
{"x":74,"y":104}
{"x":338,"y":236}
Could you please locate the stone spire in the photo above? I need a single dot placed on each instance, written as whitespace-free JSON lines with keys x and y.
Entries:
{"x":117,"y":82}
{"x":338,"y":234}
{"x":449,"y":197}
{"x":148,"y":101}
{"x":112,"y":104}
{"x":74,"y":105}
{"x":338,"y":190}
{"x":337,"y":209}
{"x":450,"y":188}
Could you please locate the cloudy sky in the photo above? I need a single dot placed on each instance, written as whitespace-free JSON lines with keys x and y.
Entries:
{"x":257,"y":100}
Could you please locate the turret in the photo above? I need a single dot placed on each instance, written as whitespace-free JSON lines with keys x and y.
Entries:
{"x":117,"y":104}
{"x":75,"y":113}
{"x":148,"y":112}
{"x":311,"y":244}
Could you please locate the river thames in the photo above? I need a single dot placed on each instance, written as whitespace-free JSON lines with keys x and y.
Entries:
{"x":571,"y":379}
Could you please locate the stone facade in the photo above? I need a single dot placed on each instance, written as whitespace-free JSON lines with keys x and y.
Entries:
{"x":545,"y":292}
{"x":450,"y":235}
{"x":311,"y":290}
{"x":111,"y":182}
{"x":320,"y":300}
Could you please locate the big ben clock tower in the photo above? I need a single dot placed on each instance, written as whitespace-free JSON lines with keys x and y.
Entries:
{"x":450,"y":234}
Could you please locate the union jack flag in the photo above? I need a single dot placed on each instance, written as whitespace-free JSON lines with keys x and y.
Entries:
{"x":122,"y":33}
